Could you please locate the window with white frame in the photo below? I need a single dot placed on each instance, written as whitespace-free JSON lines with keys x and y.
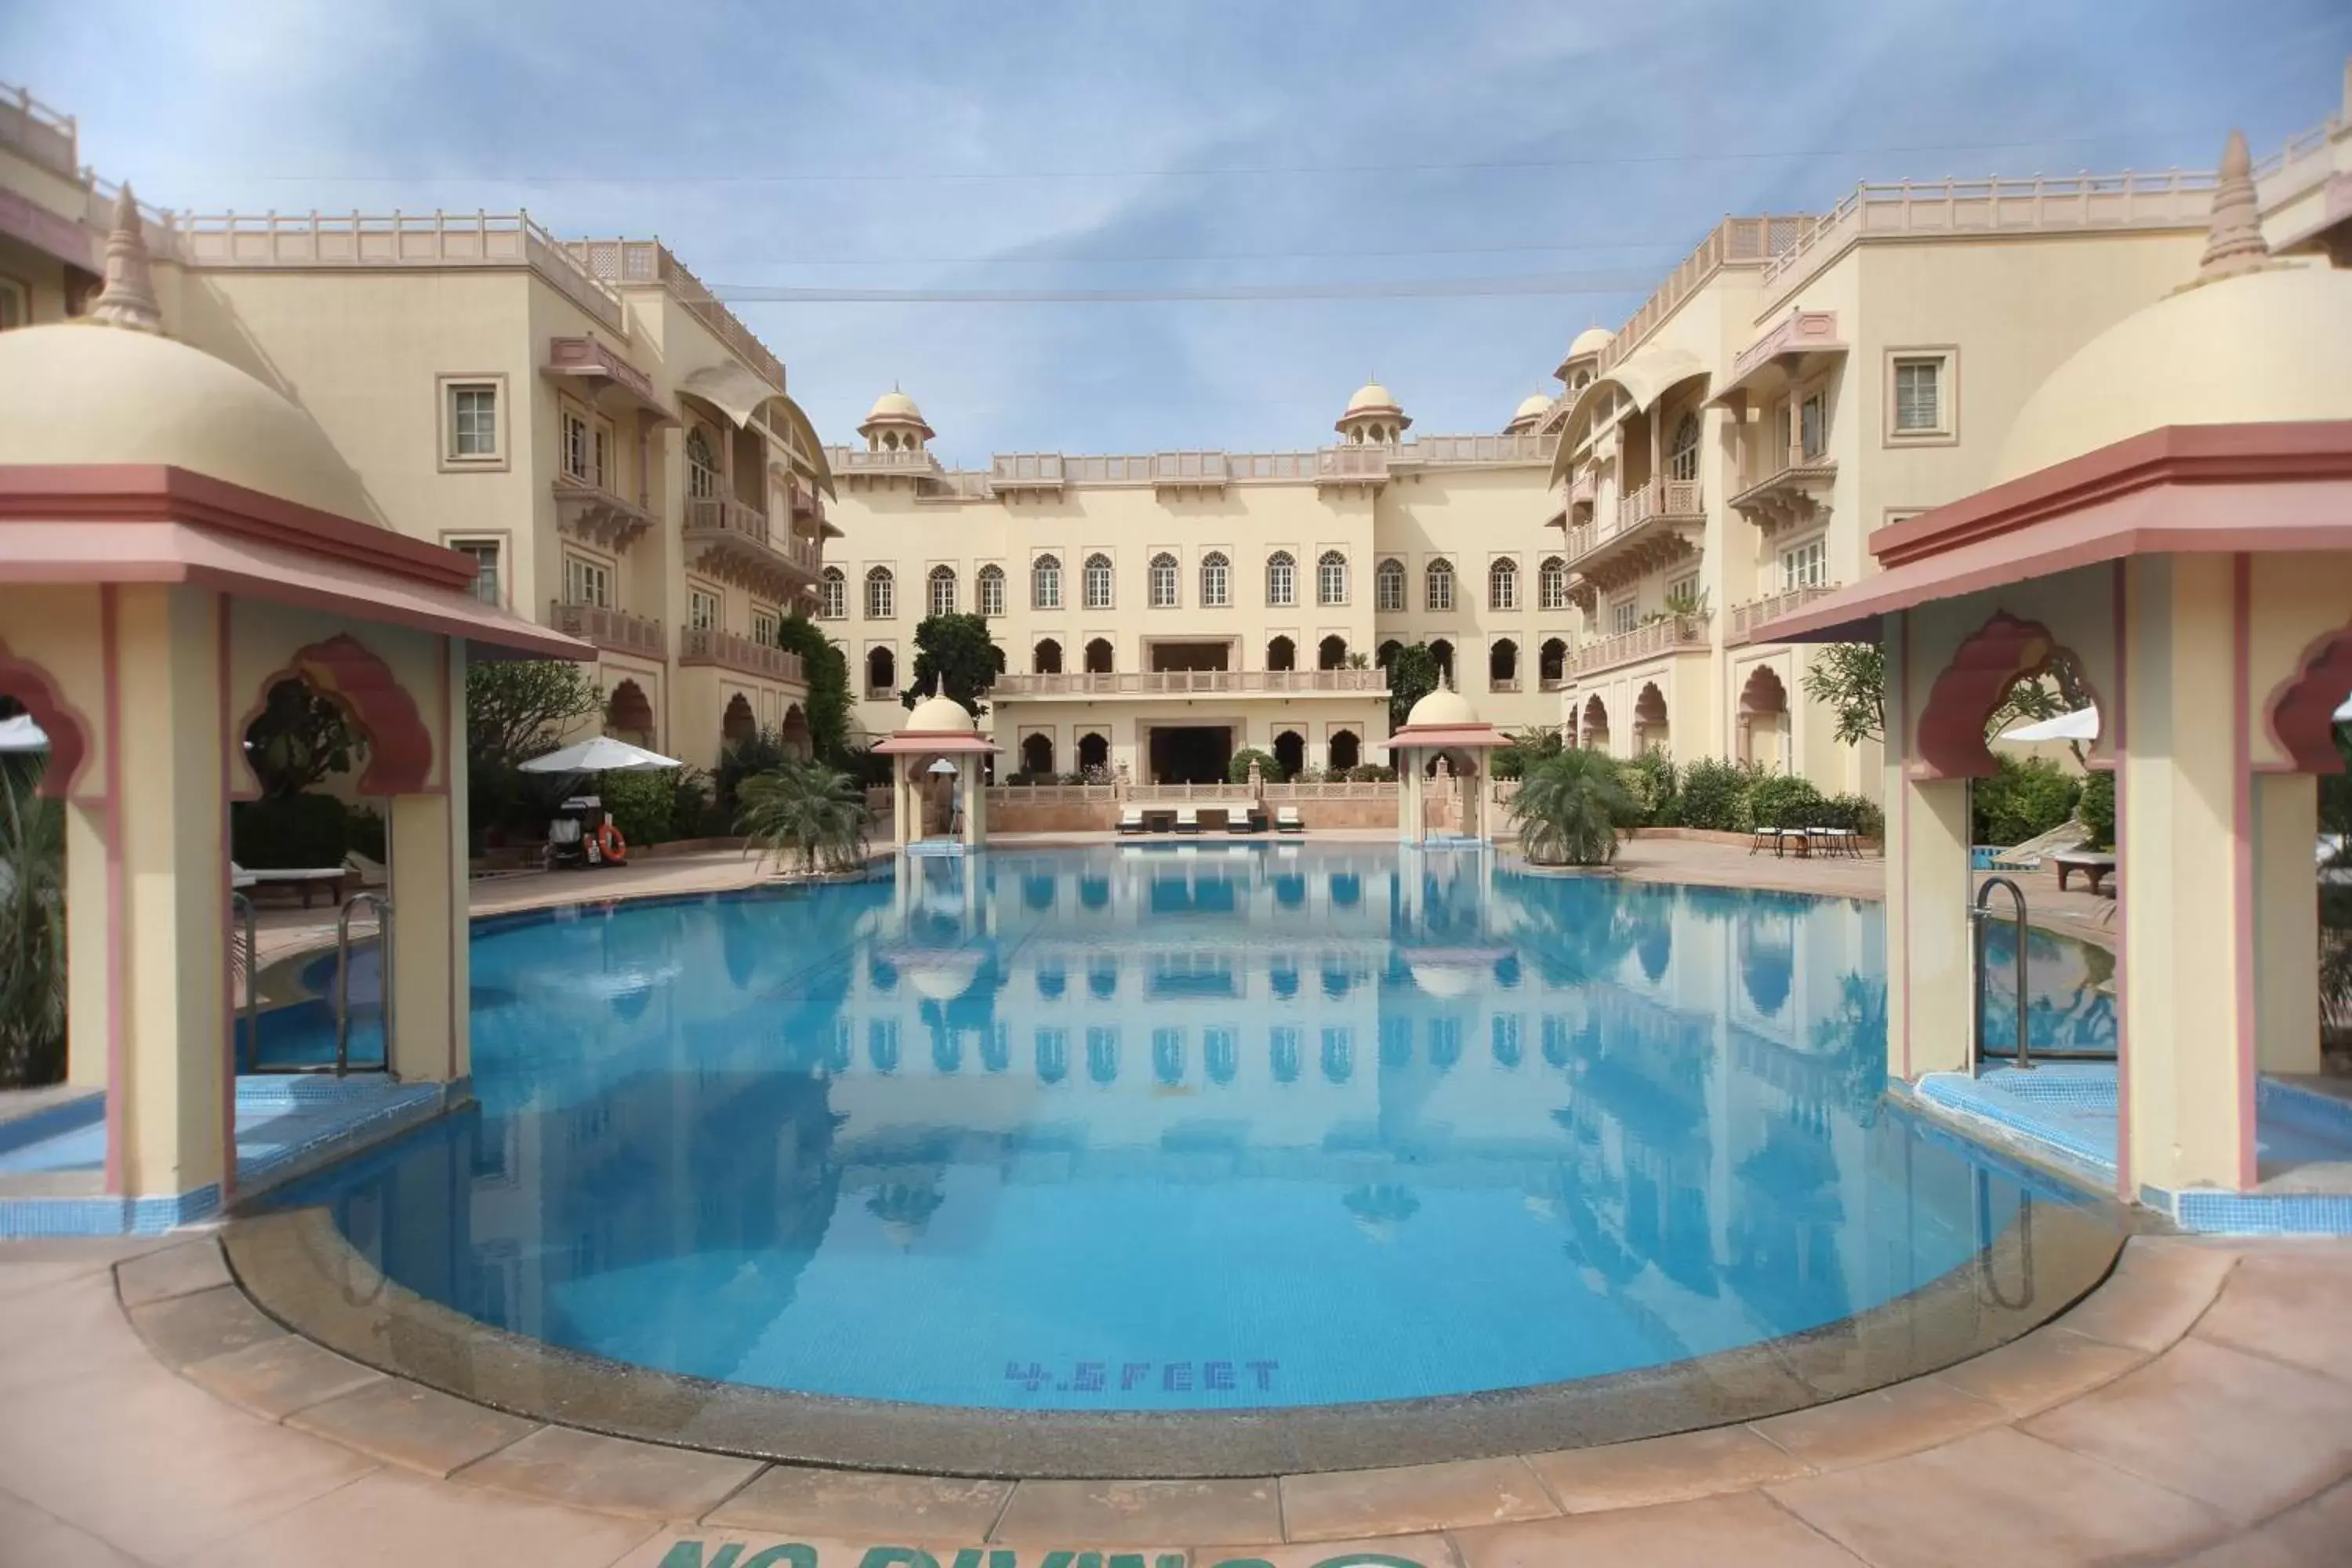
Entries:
{"x":881,"y":595}
{"x":1814,"y":426}
{"x":1216,"y":580}
{"x":1805,"y":565}
{"x":943,"y":591}
{"x":1045,"y":584}
{"x":1281,"y":579}
{"x":701,"y":467}
{"x":1098,"y":582}
{"x":587,"y":582}
{"x":1681,"y":457}
{"x":1438,"y":585}
{"x":1551,"y":584}
{"x":1331,"y":578}
{"x":832,"y":596}
{"x":575,"y":443}
{"x":1684,"y":590}
{"x":473,"y":421}
{"x":486,"y":585}
{"x":1503,"y":584}
{"x":1919,"y":395}
{"x":701,"y":610}
{"x":766,"y":628}
{"x":1621,"y":616}
{"x":992,"y":590}
{"x":1388,"y":587}
{"x":1163,"y":582}
{"x":601,"y":471}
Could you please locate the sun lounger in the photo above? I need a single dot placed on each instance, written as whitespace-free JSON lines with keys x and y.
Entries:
{"x":1187,"y":819}
{"x":329,"y":879}
{"x":1244,"y":819}
{"x":1131,"y":819}
{"x":2095,"y":864}
{"x":1287,"y":820}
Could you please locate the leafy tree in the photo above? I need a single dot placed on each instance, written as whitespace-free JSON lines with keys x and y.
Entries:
{"x":1568,"y":807}
{"x":32,"y":926}
{"x":2097,"y":809}
{"x":809,"y":807}
{"x":1268,"y":769}
{"x":300,"y":738}
{"x":1850,"y":680}
{"x":1412,"y":675}
{"x":519,"y":708}
{"x":954,"y":657}
{"x":1527,"y":748}
{"x":2021,"y":800}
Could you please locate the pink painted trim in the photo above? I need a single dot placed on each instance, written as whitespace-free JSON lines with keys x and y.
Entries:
{"x":2121,"y":729}
{"x":117,"y":915}
{"x":2242,"y":869}
{"x":2300,"y":710}
{"x":68,"y":731}
{"x":230,"y":751}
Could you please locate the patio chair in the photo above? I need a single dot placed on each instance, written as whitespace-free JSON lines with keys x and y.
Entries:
{"x":1762,"y":838}
{"x":329,"y":879}
{"x":1131,"y":819}
{"x":1835,"y":841}
{"x":1187,"y":819}
{"x":1287,"y":820}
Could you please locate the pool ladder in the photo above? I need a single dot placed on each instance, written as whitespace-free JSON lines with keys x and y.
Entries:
{"x":1980,"y":916}
{"x":245,"y":954}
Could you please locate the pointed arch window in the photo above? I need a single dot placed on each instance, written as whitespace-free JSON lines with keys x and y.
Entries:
{"x":943,"y":591}
{"x":1045,"y":584}
{"x":992,"y":591}
{"x":1216,"y":580}
{"x":1681,"y":457}
{"x":1163,"y":582}
{"x":1331,"y":578}
{"x":1281,"y":579}
{"x":1388,"y":587}
{"x":702,"y":483}
{"x":881,"y":595}
{"x":1099,"y":583}
{"x":1503,"y":584}
{"x":1551,"y":584}
{"x":1438,"y":585}
{"x":832,"y":596}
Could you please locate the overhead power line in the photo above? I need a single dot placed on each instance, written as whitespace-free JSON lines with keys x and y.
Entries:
{"x":1623,"y":281}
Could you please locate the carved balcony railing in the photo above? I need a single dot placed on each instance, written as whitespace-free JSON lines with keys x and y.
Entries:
{"x":594,"y":515}
{"x":732,"y":650}
{"x":1669,"y":634}
{"x":1755,"y":612}
{"x":1190,"y":682}
{"x":1652,"y":525}
{"x":1790,"y":497}
{"x":615,"y":631}
{"x":735,"y":542}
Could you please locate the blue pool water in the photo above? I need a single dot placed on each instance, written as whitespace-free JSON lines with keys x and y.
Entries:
{"x":1184,"y":1127}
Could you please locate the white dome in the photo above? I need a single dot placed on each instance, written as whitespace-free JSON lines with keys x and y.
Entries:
{"x":1371,"y":398}
{"x":75,"y":393}
{"x":894,"y":404}
{"x":1443,"y":709}
{"x":2263,"y":346}
{"x":1535,"y":405}
{"x":1590,"y":341}
{"x":939,"y":715}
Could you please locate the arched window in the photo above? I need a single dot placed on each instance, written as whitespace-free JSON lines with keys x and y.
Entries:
{"x":1094,"y":752}
{"x":1682,"y":459}
{"x":1163,"y":582}
{"x":1346,"y":750}
{"x":1216,"y":580}
{"x":1099,"y":583}
{"x":1387,"y":654}
{"x":881,"y":671}
{"x":1281,"y":579}
{"x":701,"y":467}
{"x":1438,"y":585}
{"x":1551,"y":662}
{"x":1281,"y":655}
{"x":1442,"y":652}
{"x":1290,"y":753}
{"x":1045,"y":584}
{"x":1388,"y":586}
{"x":881,"y":595}
{"x":1551,"y":584}
{"x":1331,"y":653}
{"x":832,"y":596}
{"x":1331,"y":578}
{"x":1503,"y":584}
{"x":1038,"y":754}
{"x":992,"y":591}
{"x":943,"y":591}
{"x":1045,"y":658}
{"x":1502,"y":666}
{"x":1099,"y":657}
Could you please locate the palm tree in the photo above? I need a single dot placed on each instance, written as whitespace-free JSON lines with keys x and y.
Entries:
{"x":32,"y":926}
{"x":1568,"y":807}
{"x":808,"y":806}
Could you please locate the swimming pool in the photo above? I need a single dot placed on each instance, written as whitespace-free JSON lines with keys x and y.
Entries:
{"x":1177,"y":1128}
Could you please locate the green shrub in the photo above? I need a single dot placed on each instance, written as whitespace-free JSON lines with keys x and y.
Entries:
{"x":288,"y":832}
{"x":642,"y":806}
{"x":1569,"y":808}
{"x":2020,"y":800}
{"x":1857,"y":811}
{"x":1372,"y":772}
{"x":1783,"y":800}
{"x":1653,"y":781}
{"x":2096,"y":807}
{"x":1528,"y":748}
{"x":690,"y":808}
{"x":1713,"y":794}
{"x":32,"y":927}
{"x":1237,"y":771}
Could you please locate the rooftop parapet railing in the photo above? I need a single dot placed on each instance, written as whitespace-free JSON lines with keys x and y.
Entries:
{"x":1181,"y":682}
{"x":38,"y":133}
{"x":859,"y":460}
{"x":620,"y":261}
{"x":1734,"y":242}
{"x":357,"y":239}
{"x":1482,"y":448}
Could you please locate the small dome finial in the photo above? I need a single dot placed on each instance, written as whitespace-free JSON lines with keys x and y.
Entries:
{"x":128,"y":301}
{"x":2236,"y":244}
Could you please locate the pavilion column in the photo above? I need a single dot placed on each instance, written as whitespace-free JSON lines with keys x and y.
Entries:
{"x":2286,"y":923}
{"x":901,"y":804}
{"x":168,"y":1106}
{"x":1930,"y":952}
{"x":975,"y":798}
{"x":89,"y":897}
{"x":2187,"y":869}
{"x":1409,"y":797}
{"x":425,"y":934}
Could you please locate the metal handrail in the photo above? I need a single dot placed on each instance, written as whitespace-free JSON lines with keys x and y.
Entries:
{"x":1977,"y":918}
{"x":343,"y":976}
{"x":1989,"y":1288}
{"x":241,"y":908}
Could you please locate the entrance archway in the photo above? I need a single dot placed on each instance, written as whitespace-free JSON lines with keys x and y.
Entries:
{"x":1045,"y":658}
{"x":629,"y":714}
{"x":1099,"y":657}
{"x":1290,"y":753}
{"x":795,"y":735}
{"x":1346,"y":750}
{"x":739,"y":723}
{"x":1331,"y":653}
{"x":1038,"y":754}
{"x":1764,"y":720}
{"x":1281,"y":654}
{"x":1594,"y":731}
{"x":1094,"y":752}
{"x":1650,"y":733}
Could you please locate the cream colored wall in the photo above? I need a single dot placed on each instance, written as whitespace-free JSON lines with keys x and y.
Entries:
{"x":41,"y":276}
{"x":1256,"y":722}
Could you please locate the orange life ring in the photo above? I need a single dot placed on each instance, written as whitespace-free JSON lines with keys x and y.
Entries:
{"x":610,"y":845}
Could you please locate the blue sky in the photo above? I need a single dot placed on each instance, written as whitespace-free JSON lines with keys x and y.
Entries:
{"x":1127,"y":146}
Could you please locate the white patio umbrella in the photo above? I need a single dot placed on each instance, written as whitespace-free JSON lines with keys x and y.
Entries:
{"x":2083,"y":724}
{"x":940,"y":766}
{"x":21,"y":734}
{"x":601,"y":756}
{"x":2344,"y":714}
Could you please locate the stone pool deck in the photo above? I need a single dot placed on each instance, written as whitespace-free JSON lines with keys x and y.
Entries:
{"x":2197,"y":1408}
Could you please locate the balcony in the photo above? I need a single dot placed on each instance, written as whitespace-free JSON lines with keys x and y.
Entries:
{"x":1746,"y":618}
{"x":1666,"y":635}
{"x":594,"y":515}
{"x":729,"y":650}
{"x":1506,"y":685}
{"x":38,"y":133}
{"x":1790,"y":498}
{"x":733,"y":542}
{"x":623,"y":261}
{"x":858,"y":461}
{"x":1653,"y":526}
{"x":614,"y":631}
{"x":1197,"y":683}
